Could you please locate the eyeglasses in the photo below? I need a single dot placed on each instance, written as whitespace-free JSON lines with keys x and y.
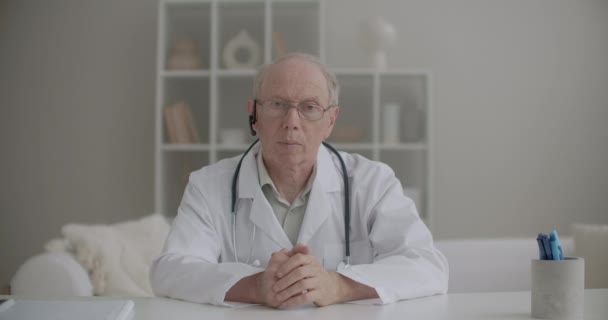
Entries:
{"x":306,"y":109}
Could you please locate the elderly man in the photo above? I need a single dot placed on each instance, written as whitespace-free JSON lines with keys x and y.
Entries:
{"x":270,"y":227}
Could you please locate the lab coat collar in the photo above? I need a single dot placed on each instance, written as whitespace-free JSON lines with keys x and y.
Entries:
{"x":318,"y":208}
{"x":261,"y":213}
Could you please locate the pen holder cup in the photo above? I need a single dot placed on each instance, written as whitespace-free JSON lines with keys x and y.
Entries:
{"x":558,"y":288}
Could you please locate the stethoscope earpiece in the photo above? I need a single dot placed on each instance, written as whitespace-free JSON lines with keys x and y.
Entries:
{"x":253,"y":118}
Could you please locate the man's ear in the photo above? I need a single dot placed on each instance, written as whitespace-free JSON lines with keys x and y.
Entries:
{"x":250,"y":106}
{"x":333,"y":117}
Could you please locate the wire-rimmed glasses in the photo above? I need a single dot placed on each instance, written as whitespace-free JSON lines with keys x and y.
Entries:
{"x":277,"y":108}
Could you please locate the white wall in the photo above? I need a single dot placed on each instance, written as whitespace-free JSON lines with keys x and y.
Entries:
{"x":520,"y":104}
{"x":520,"y":95}
{"x":76,"y":118}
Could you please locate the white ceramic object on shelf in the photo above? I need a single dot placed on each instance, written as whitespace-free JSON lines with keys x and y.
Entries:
{"x":377,"y":35}
{"x":390,"y":124}
{"x":242,"y":52}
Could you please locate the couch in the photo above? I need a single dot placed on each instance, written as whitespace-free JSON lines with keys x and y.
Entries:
{"x":476,"y":265}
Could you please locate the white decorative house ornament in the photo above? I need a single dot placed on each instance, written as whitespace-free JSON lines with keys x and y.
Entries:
{"x":377,"y":35}
{"x":242,"y":52}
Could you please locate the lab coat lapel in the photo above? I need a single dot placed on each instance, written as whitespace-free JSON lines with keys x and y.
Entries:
{"x":319,"y":205}
{"x":261,"y":213}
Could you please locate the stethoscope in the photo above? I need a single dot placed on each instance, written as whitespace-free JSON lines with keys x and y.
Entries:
{"x":346,"y":207}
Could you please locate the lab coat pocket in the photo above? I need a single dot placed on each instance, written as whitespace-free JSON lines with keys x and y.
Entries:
{"x":333,"y":254}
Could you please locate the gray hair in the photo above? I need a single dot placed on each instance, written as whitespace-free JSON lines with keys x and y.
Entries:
{"x":333,"y":88}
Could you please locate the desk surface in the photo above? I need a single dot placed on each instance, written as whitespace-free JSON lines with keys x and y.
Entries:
{"x":503,"y":305}
{"x":500,"y":305}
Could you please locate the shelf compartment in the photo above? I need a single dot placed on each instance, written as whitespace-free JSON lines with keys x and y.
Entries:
{"x":235,"y":18}
{"x":232,"y":116}
{"x":356,"y":110}
{"x":408,"y":92}
{"x":191,"y":23}
{"x":177,"y":168}
{"x":295,"y":27}
{"x":195,"y":93}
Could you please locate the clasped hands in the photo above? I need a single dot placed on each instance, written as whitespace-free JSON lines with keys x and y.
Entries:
{"x":296,"y":277}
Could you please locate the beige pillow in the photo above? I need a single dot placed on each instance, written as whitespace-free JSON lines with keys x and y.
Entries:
{"x":591,"y":243}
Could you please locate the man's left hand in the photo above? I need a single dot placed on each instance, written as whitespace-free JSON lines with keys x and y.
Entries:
{"x":303,"y":280}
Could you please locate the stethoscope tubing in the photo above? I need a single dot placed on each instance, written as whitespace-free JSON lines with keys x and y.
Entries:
{"x":346,"y":203}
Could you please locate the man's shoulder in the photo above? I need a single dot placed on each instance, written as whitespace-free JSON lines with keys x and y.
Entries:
{"x":357,"y":164}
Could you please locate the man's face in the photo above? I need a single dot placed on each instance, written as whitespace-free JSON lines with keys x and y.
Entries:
{"x":291,"y":140}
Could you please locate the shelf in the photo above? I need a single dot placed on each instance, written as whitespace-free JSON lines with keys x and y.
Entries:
{"x":402,"y":146}
{"x":371,"y":72}
{"x":185,"y":147}
{"x":351,"y":146}
{"x":376,"y":105}
{"x":236,"y":72}
{"x":233,"y":147}
{"x":185,"y":73}
{"x":339,"y":146}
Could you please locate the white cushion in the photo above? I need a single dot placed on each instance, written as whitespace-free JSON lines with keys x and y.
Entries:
{"x":590,"y":241}
{"x":51,"y":274}
{"x":118,"y":256}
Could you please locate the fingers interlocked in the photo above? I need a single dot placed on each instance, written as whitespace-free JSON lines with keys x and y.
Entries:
{"x":299,"y":279}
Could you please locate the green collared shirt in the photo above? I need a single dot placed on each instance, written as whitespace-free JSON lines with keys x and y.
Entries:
{"x":290,"y":216}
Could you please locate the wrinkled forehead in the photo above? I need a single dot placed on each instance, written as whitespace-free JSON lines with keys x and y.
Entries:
{"x":295,"y":80}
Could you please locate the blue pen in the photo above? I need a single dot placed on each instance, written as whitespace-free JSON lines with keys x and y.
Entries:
{"x":547,"y":247}
{"x":556,"y":246}
{"x":541,"y":249}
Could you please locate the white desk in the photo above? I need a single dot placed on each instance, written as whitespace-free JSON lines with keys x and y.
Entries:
{"x":469,"y":306}
{"x":504,"y":305}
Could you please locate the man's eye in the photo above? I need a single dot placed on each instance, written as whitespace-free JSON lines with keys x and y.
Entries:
{"x":276,"y":104}
{"x":311,"y":107}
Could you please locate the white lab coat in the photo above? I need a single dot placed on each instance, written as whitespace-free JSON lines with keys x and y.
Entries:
{"x":391,"y":248}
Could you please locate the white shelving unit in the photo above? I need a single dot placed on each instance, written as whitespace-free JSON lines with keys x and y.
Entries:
{"x":217,"y":95}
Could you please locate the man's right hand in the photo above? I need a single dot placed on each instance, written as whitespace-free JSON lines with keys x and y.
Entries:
{"x":257,"y":288}
{"x":265,"y":280}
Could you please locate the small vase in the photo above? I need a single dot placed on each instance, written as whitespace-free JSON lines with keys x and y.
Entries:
{"x":242,"y":52}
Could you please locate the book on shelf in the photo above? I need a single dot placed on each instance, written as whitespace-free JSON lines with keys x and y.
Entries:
{"x":180,"y":124}
{"x":279,"y":46}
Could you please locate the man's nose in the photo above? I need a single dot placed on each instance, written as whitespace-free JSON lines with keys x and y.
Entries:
{"x":292,"y":118}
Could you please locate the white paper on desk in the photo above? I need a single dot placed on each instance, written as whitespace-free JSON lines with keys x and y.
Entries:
{"x":24,"y":309}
